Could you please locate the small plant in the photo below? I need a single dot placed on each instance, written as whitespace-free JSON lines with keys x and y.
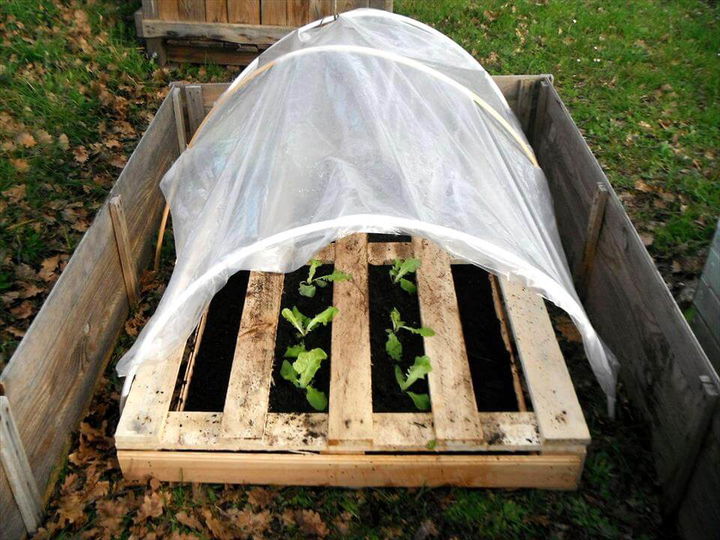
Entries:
{"x":393,"y":345}
{"x":401,"y":268}
{"x":418,"y":370}
{"x":302,"y":371}
{"x":309,"y":287}
{"x":303,"y":324}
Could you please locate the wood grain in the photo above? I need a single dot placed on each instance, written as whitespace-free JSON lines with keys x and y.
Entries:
{"x":246,"y":402}
{"x":166,"y":10}
{"x":244,"y":11}
{"x":216,"y":11}
{"x":191,"y":10}
{"x":274,"y":12}
{"x":350,"y":408}
{"x":454,"y":408}
{"x":548,"y":472}
{"x":229,"y":32}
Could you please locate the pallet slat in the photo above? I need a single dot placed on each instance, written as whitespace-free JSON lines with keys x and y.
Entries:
{"x":248,"y":392}
{"x":452,"y":396}
{"x":350,"y":408}
{"x":551,"y":471}
{"x":560,"y":418}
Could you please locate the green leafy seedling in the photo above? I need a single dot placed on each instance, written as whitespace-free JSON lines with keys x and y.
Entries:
{"x":401,"y":268}
{"x":303,"y":324}
{"x":393,"y":346}
{"x":302,"y":371}
{"x":417,"y":371}
{"x":421,"y":401}
{"x":309,"y":286}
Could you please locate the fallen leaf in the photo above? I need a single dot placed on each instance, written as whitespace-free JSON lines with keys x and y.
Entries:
{"x":217,"y":528}
{"x":248,"y":522}
{"x":21,"y":165}
{"x":63,"y":141}
{"x":81,"y":155}
{"x":26,"y":140}
{"x":43,"y":136}
{"x":260,"y":497}
{"x":189,"y":521}
{"x":151,"y":507}
{"x":23,"y":311}
{"x":48,"y":266}
{"x":647,"y":238}
{"x":16,"y":193}
{"x":17,"y":332}
{"x":311,"y":523}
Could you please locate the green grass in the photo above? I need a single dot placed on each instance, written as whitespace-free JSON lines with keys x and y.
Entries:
{"x":641,"y":80}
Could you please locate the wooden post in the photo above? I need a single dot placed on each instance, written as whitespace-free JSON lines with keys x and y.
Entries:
{"x":195,"y":108}
{"x":155,"y":47}
{"x":17,"y":468}
{"x":595,"y":220}
{"x":129,"y":272}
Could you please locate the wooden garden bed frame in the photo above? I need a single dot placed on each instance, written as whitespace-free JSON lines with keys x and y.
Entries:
{"x":228,"y":32}
{"x":48,"y":383}
{"x":350,"y":445}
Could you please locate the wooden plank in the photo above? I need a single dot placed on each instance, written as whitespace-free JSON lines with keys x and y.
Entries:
{"x":184,"y":54}
{"x":320,"y":9}
{"x":393,"y":432}
{"x":699,"y":514}
{"x":707,"y":305}
{"x":559,"y":416}
{"x":230,"y":32}
{"x":298,"y":12}
{"x":148,"y":403}
{"x":506,"y":83}
{"x":595,"y":221}
{"x":191,"y":10}
{"x":122,"y":241}
{"x":190,"y":366}
{"x":61,"y":357}
{"x":216,"y":11}
{"x":15,"y":463}
{"x":13,"y":525}
{"x":350,"y":413}
{"x":508,"y":341}
{"x":708,"y":338}
{"x":244,"y":11}
{"x":454,"y":408}
{"x":248,"y":392}
{"x":273,"y":12}
{"x":516,"y":471}
{"x":627,"y":300}
{"x":380,"y":253}
{"x":196,"y":112}
{"x":166,"y":10}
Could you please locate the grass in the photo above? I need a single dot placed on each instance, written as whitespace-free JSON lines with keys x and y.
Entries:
{"x":640,"y":79}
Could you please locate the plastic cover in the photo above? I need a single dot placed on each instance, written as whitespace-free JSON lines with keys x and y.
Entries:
{"x":370,"y":122}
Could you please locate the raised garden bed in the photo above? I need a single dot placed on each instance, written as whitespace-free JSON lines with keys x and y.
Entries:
{"x":371,"y":434}
{"x":665,"y":372}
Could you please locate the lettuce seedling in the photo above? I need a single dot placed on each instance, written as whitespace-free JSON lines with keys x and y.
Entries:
{"x":417,"y":371}
{"x":421,"y":401}
{"x":309,"y":286}
{"x":302,"y":371}
{"x":304,"y":325}
{"x":401,"y":268}
{"x":393,"y":346}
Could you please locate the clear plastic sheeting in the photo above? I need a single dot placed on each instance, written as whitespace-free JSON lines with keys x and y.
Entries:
{"x":370,"y":122}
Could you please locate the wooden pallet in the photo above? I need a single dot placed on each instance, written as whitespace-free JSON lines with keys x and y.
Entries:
{"x":228,"y":32}
{"x":350,"y":445}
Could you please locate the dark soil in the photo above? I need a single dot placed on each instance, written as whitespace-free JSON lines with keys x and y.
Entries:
{"x":388,"y":238}
{"x":384,"y":295}
{"x":488,"y":357}
{"x":284,"y":396}
{"x":211,"y":373}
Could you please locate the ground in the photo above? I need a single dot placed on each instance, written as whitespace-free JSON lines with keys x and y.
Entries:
{"x":641,"y":81}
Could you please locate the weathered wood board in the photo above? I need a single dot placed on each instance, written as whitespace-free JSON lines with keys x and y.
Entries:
{"x":50,"y":378}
